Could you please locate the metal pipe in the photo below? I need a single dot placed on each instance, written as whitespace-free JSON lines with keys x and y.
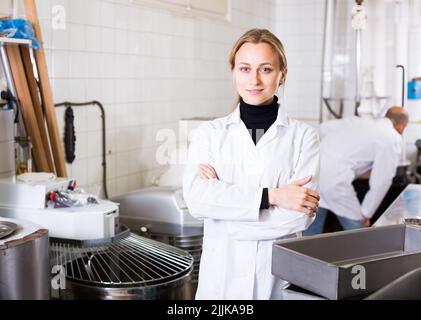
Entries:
{"x":358,"y":70}
{"x":324,"y":62}
{"x":11,"y":86}
{"x":15,"y":9}
{"x":403,"y":83}
{"x":358,"y":23}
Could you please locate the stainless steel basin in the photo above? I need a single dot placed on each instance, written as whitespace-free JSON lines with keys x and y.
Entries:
{"x":350,"y":263}
{"x":406,"y":287}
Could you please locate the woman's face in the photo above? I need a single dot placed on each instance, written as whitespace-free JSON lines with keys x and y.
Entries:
{"x":256,"y":73}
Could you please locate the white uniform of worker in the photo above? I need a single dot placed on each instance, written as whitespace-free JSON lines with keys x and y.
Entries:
{"x":349,"y":148}
{"x":238,"y":236}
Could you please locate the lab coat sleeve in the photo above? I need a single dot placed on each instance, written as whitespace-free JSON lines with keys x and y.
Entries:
{"x":278,"y":222}
{"x":216,"y":199}
{"x":308,"y":163}
{"x":384,"y":169}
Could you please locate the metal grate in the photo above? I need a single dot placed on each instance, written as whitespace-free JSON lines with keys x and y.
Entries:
{"x":191,"y":244}
{"x":132,"y":261}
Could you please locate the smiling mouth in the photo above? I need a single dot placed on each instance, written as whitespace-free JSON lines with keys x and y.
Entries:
{"x":255,"y":91}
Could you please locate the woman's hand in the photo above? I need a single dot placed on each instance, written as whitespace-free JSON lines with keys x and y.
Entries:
{"x":207,"y":172}
{"x":295,"y":197}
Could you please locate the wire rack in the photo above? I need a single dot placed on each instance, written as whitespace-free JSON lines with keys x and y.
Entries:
{"x":132,"y":261}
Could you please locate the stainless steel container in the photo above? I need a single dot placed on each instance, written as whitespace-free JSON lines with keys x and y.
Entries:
{"x":174,"y":290}
{"x":24,"y":264}
{"x":188,"y":239}
{"x":125,"y":267}
{"x":350,"y":263}
{"x":160,"y":213}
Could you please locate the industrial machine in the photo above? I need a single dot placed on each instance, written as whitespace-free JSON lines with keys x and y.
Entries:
{"x":92,"y":256}
{"x":124,"y":267}
{"x":160,"y":213}
{"x":27,"y":201}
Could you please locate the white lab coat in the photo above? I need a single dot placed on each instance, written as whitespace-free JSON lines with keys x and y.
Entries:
{"x":349,"y":148}
{"x":238,"y":236}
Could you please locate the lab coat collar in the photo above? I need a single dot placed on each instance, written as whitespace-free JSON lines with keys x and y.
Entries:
{"x":389,"y":123}
{"x":387,"y":120}
{"x":281,"y":120}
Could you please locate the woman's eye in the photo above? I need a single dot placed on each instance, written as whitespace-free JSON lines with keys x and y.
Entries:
{"x":266,"y":70}
{"x":244,"y":69}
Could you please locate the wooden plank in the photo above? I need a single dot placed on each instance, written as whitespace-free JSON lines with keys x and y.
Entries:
{"x":33,"y":88}
{"x":46,"y":93}
{"x":26,"y":107}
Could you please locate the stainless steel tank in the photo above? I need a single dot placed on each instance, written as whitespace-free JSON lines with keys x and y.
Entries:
{"x":160,"y":213}
{"x":126,"y":267}
{"x":24,"y":261}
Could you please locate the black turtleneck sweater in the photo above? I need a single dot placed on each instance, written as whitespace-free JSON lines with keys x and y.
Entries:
{"x":258,"y":119}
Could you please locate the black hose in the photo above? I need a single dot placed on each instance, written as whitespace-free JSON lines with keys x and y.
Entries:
{"x":357,"y":105}
{"x":69,"y":135}
{"x":8,"y":95}
{"x":341,"y":108}
{"x":104,"y":158}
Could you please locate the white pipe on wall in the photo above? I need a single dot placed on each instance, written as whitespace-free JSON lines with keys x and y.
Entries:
{"x":401,"y":47}
{"x":401,"y":55}
{"x":414,"y":54}
{"x":373,"y":56}
{"x":328,"y":46}
{"x":415,"y":40}
{"x":326,"y":83}
{"x":379,"y":49}
{"x":15,"y":9}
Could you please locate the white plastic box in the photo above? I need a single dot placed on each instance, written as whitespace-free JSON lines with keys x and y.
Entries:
{"x":14,"y":193}
{"x":91,"y":222}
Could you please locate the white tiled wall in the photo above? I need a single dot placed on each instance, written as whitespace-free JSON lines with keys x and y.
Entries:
{"x":411,"y":16}
{"x":299,"y":25}
{"x":5,"y":8}
{"x":150,"y":68}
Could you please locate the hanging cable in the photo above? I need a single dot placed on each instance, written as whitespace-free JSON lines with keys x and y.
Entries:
{"x":104,"y":158}
{"x":69,"y":135}
{"x":8,"y":96}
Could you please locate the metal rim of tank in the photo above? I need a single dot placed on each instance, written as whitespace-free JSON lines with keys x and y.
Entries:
{"x":178,"y":288}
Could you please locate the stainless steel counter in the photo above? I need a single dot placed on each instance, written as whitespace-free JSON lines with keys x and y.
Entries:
{"x":406,"y":206}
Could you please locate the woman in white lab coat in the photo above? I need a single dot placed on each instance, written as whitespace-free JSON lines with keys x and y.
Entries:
{"x":251,"y":188}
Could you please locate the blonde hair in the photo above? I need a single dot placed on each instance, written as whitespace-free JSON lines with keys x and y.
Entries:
{"x":256,"y":36}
